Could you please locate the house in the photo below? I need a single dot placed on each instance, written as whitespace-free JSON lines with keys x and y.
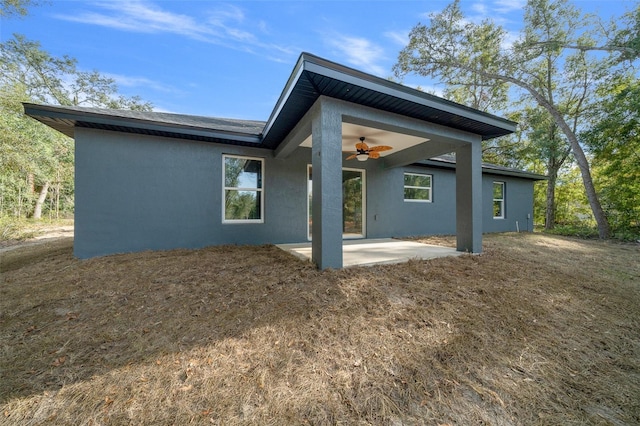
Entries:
{"x":148,"y":180}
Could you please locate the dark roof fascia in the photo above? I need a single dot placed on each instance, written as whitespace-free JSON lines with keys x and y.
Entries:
{"x":487,"y":168}
{"x":284,"y":96}
{"x":105,"y":120}
{"x":390,"y":88}
{"x":311,"y":64}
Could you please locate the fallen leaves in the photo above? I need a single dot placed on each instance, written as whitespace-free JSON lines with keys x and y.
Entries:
{"x":363,"y":345}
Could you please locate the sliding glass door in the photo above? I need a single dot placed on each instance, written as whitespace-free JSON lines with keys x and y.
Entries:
{"x":353,"y":202}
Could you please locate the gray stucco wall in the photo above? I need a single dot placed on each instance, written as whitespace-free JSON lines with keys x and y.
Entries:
{"x":518,"y":204}
{"x":136,"y":193}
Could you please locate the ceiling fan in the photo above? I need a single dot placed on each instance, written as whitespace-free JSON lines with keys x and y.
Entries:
{"x":364,"y":151}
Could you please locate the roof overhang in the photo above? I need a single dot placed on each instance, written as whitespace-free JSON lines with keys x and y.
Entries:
{"x":449,"y":162}
{"x":313,"y":77}
{"x":205,"y":129}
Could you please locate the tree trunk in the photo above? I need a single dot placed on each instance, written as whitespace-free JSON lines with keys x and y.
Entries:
{"x":31,"y":179}
{"x":550,"y":212}
{"x":604,"y":231}
{"x":37,"y":211}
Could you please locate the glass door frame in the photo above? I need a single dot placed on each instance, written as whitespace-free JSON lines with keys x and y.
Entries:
{"x":363,"y":174}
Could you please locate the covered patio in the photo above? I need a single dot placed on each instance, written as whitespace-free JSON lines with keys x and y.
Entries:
{"x":323,"y":103}
{"x":369,"y":252}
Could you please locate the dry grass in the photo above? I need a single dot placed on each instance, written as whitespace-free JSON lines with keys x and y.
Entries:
{"x":537,"y":330}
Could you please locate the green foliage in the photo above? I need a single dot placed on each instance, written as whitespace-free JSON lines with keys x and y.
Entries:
{"x":551,"y":68}
{"x":48,"y":79}
{"x":574,"y":230}
{"x":12,"y":228}
{"x":18,"y":229}
{"x":626,"y":36}
{"x":30,"y":155}
{"x":572,"y":206}
{"x":34,"y":158}
{"x":614,"y":140}
{"x":10,"y":8}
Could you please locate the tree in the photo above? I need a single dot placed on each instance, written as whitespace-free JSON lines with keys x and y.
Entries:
{"x":548,"y":145}
{"x":549,"y":64}
{"x":54,"y":80}
{"x":32,"y":158}
{"x":614,"y":140}
{"x":35,"y":159}
{"x":9,"y":8}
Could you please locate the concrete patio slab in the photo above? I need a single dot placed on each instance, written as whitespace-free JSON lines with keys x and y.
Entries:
{"x":377,"y":251}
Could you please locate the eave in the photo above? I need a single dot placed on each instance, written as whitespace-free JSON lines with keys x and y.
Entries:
{"x":313,"y":77}
{"x":66,"y":119}
{"x":448,"y":162}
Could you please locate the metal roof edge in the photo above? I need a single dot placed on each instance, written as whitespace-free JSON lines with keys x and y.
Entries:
{"x":318,"y":64}
{"x":487,"y":168}
{"x":100,"y":118}
{"x":286,"y":91}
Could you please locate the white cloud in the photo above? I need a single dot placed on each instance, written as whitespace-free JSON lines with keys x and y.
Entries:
{"x":130,"y":81}
{"x":506,"y":6}
{"x":480,"y":8}
{"x":143,"y":17}
{"x":360,"y":52}
{"x":400,"y":38}
{"x":226,"y":25}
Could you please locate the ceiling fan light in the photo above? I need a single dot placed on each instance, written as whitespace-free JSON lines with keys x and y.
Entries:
{"x":362,"y":157}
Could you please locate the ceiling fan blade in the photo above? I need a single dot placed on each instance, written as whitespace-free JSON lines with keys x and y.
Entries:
{"x":361,"y":146}
{"x":374,"y":154}
{"x":380,"y":148}
{"x":351,"y":157}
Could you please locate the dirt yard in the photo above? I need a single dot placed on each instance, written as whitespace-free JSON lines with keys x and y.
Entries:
{"x":538,"y":330}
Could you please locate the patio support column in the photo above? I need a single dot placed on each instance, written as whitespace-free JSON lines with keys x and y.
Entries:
{"x":326,"y":151}
{"x":469,"y":197}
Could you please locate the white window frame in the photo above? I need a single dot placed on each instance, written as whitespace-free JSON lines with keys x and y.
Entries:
{"x":429,"y":188}
{"x":225,"y":188}
{"x":500,"y":200}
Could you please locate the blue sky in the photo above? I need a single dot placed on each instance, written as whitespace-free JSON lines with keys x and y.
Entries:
{"x":232,"y":59}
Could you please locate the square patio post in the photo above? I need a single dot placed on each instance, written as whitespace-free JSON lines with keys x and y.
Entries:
{"x":469,"y":197}
{"x":326,"y":151}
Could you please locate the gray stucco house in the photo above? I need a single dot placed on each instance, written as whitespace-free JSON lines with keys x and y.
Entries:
{"x":147,"y":180}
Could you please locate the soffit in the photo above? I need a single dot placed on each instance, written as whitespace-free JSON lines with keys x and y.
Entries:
{"x":314,"y":77}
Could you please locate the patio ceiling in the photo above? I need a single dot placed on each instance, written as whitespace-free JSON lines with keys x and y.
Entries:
{"x":351,"y":134}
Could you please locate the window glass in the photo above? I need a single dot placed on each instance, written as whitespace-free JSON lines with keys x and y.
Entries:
{"x":417,"y":180}
{"x":242,"y":172}
{"x":417,"y":187}
{"x":242,"y":189}
{"x":498,"y":200}
{"x":242,"y":205}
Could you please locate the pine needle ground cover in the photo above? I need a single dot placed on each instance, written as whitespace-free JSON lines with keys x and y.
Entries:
{"x":537,"y":330}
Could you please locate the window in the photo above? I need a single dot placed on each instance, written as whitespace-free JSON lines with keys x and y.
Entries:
{"x":498,"y":200}
{"x":243,"y":191}
{"x":417,"y":187}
